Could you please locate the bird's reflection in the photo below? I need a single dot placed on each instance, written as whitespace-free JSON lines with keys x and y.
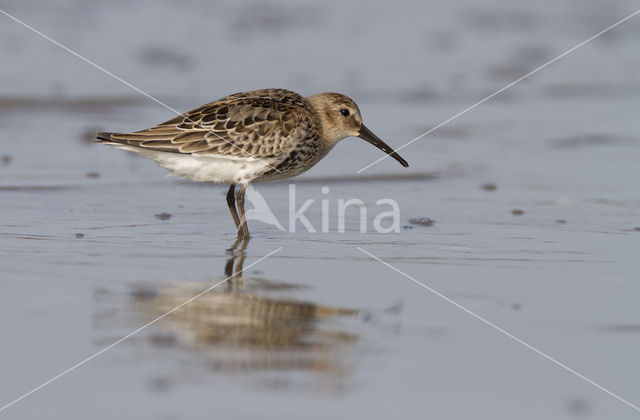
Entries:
{"x":245,"y":324}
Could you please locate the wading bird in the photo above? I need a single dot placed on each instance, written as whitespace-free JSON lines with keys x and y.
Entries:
{"x":254,"y":136}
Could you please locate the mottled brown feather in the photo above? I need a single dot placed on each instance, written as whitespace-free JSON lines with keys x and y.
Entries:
{"x":261,"y":123}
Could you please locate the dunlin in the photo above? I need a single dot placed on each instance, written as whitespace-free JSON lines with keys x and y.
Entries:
{"x":246,"y":137}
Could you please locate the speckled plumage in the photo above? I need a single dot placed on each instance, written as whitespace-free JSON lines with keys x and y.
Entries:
{"x":248,"y":137}
{"x":276,"y":126}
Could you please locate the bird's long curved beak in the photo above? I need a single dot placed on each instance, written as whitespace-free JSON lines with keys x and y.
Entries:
{"x":367,"y":135}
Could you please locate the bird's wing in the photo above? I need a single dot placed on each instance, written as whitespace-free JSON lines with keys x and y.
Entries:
{"x":258,"y":124}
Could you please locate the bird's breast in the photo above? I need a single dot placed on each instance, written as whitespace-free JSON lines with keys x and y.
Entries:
{"x":298,"y":160}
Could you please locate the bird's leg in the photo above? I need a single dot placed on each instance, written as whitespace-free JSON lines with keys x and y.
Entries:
{"x":231,"y":202}
{"x":243,"y":221}
{"x":234,"y":278}
{"x":228,"y":271}
{"x":240,"y":265}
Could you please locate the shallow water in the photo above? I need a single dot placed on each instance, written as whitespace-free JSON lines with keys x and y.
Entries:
{"x":319,"y":329}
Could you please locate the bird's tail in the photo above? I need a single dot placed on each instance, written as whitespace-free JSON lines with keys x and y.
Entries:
{"x":105,"y":136}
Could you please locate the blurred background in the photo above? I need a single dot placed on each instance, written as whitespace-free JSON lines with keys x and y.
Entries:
{"x":534,"y":194}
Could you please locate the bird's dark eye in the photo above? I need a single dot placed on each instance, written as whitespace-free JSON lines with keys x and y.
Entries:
{"x":344,"y":112}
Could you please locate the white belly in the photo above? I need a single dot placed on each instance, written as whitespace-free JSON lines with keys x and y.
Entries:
{"x":221,"y":170}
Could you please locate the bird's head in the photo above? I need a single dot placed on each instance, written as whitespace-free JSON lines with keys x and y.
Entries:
{"x":340,"y":118}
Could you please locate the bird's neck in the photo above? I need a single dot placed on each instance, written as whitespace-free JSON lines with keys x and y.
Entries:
{"x":322,"y":118}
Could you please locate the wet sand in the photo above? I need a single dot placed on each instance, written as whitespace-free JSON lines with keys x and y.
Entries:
{"x":533,"y":198}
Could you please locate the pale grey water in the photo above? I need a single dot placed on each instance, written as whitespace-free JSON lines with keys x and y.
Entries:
{"x":319,"y":329}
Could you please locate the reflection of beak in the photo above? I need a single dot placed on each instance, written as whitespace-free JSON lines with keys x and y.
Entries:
{"x":367,"y":135}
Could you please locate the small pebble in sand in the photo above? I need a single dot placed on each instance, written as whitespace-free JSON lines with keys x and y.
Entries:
{"x":93,"y":175}
{"x":163,"y":216}
{"x":517,"y":212}
{"x":163,"y":340}
{"x":561,"y":221}
{"x":6,"y":159}
{"x":489,"y":187}
{"x":79,"y":235}
{"x":422,"y":221}
{"x":579,"y":406}
{"x":143,"y":293}
{"x":160,"y":384}
{"x":407,"y":227}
